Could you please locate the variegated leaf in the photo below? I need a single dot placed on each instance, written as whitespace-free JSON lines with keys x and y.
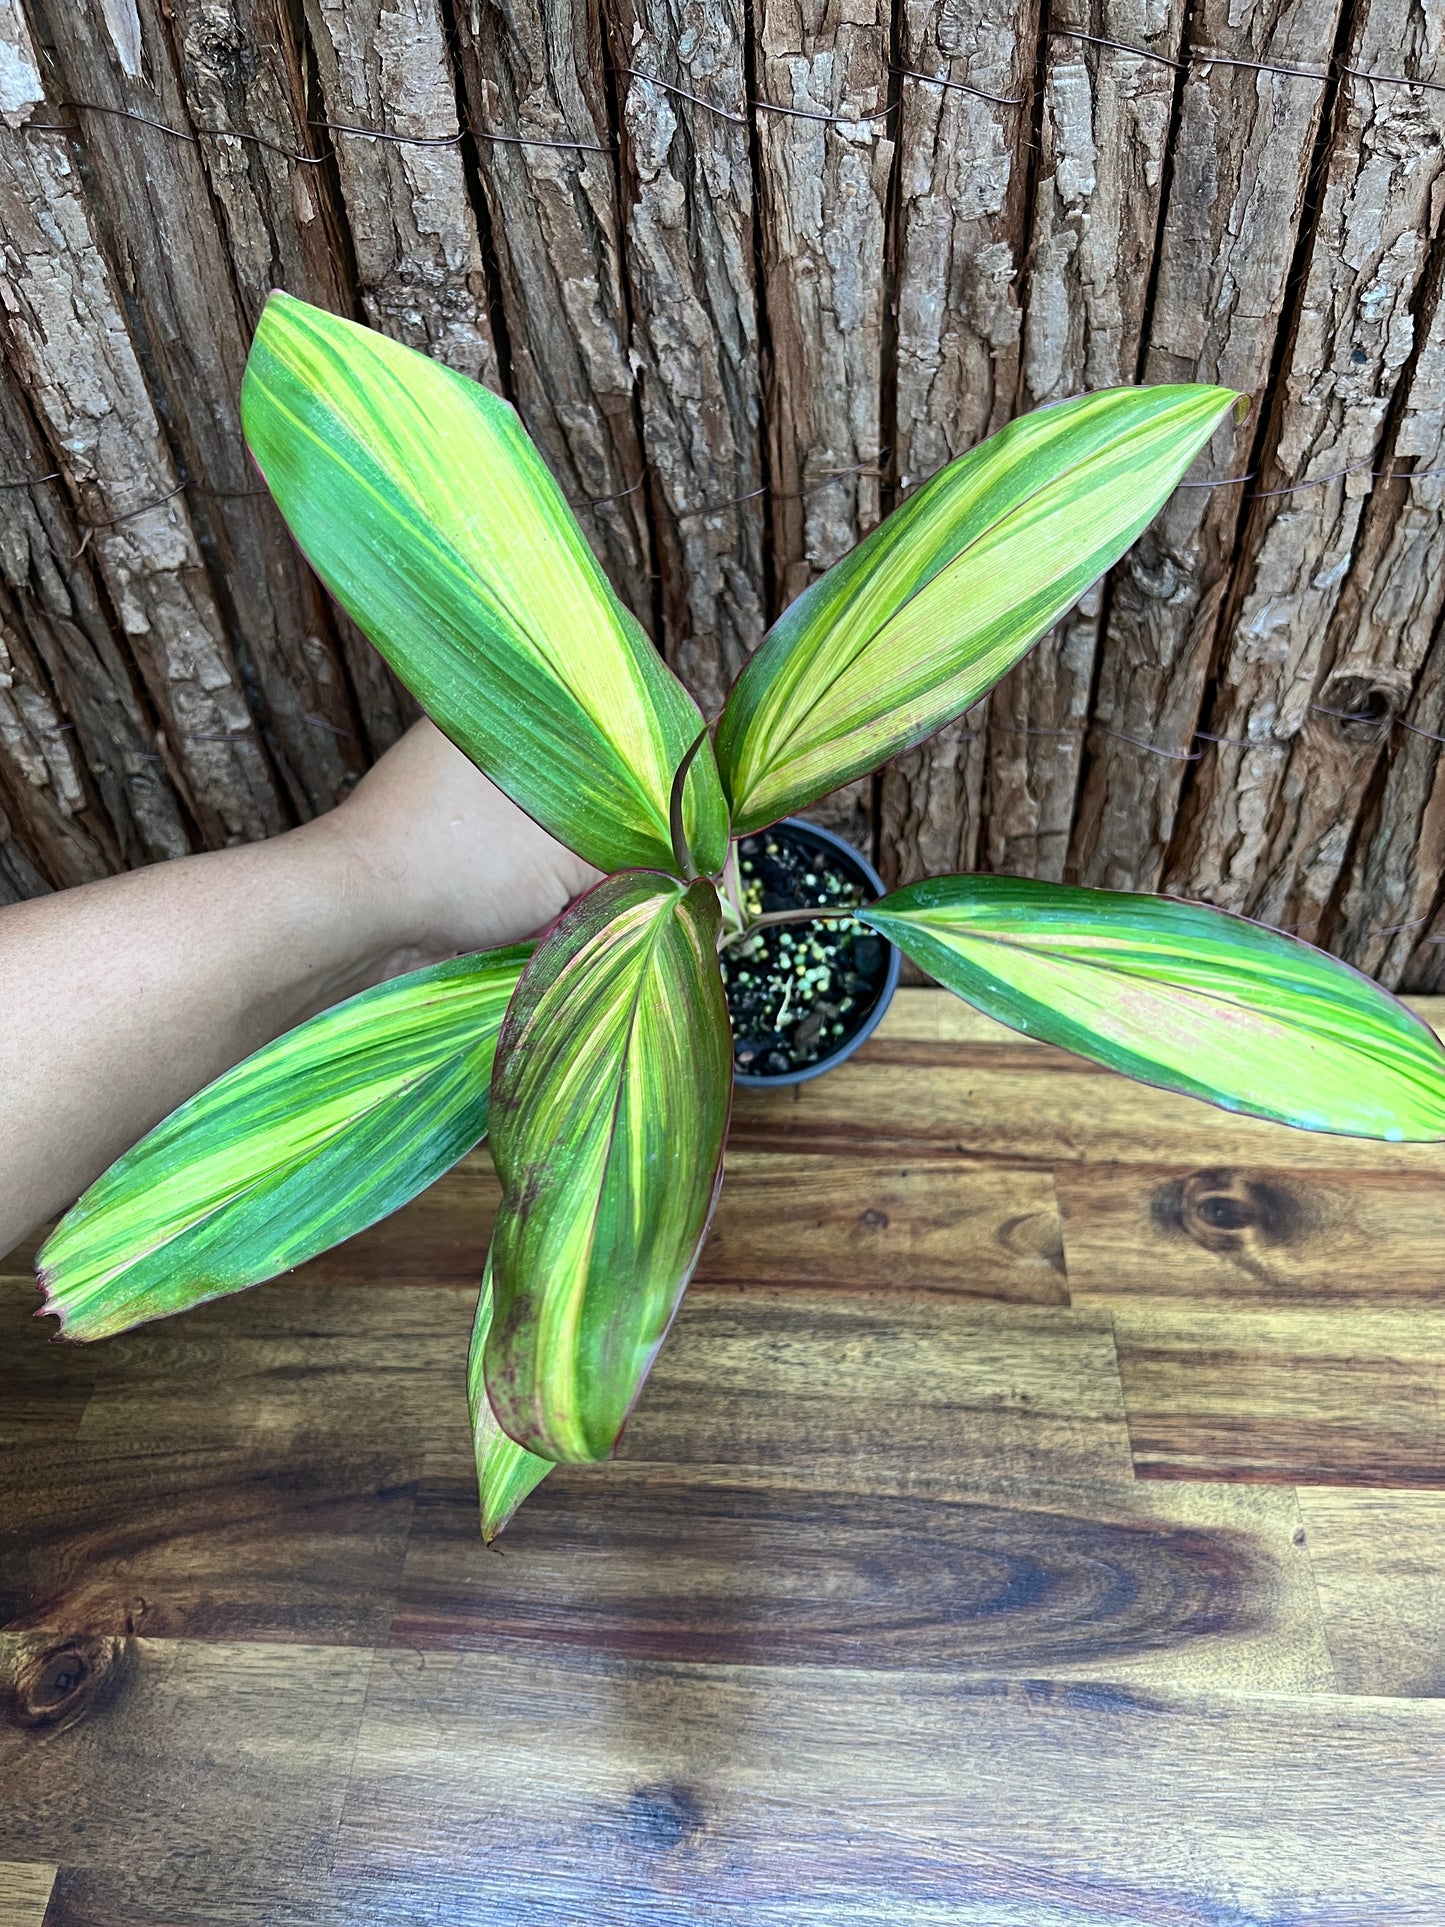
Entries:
{"x":426,"y":510}
{"x":609,"y":1107}
{"x":944,"y":597}
{"x":310,"y":1139}
{"x":1179,"y":995}
{"x":506,"y":1471}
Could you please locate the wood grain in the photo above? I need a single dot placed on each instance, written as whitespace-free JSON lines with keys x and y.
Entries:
{"x":288,"y":1363}
{"x":872,"y":1223}
{"x":259,"y":1538}
{"x":1379,"y":1566}
{"x":1202,"y":1583}
{"x":933,"y":1582}
{"x":44,"y":1387}
{"x":1232,"y":1235}
{"x":1010,"y":1103}
{"x":747,"y":1376}
{"x":24,"y":1893}
{"x":211,"y":1775}
{"x":852,"y":1223}
{"x":693,"y":1793}
{"x":1292,"y":1397}
{"x":884,"y":1385}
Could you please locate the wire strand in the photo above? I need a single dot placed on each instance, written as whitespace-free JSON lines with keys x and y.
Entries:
{"x":759,"y":106}
{"x":194,"y":135}
{"x":960,"y":87}
{"x":1191,"y":59}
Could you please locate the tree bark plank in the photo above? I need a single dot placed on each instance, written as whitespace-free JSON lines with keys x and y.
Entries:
{"x":1389,"y":921}
{"x":72,"y":353}
{"x":1242,"y":153}
{"x":824,"y":174}
{"x":242,"y":64}
{"x":1388,"y":874}
{"x":824,"y":194}
{"x":688,"y":205}
{"x":19,"y":878}
{"x":42,"y":781}
{"x":1261,"y":831}
{"x":190,"y":337}
{"x":413,"y":229}
{"x":961,"y":237}
{"x":84,"y":755}
{"x":1384,"y":654}
{"x":533,"y":75}
{"x":1103,"y":136}
{"x":962,"y":217}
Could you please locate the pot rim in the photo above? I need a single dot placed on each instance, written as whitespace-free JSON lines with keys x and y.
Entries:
{"x":751,"y":1080}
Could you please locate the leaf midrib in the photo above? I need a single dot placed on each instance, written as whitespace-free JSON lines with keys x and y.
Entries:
{"x":449,"y":561}
{"x":1093,"y":963}
{"x":819,"y":696}
{"x":284,"y":1167}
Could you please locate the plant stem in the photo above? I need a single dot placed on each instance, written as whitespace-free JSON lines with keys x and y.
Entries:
{"x":792,"y":916}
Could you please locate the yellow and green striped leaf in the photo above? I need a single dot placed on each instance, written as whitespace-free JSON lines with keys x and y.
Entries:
{"x":1182,"y":996}
{"x":506,"y":1471}
{"x":426,"y":510}
{"x":310,"y":1139}
{"x":942,"y":599}
{"x":610,"y":1103}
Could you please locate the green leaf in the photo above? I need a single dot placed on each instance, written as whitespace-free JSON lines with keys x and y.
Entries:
{"x":610,"y":1103}
{"x":1182,"y":996}
{"x":506,"y":1471}
{"x":922,"y":618}
{"x":311,"y":1139}
{"x":425,"y":509}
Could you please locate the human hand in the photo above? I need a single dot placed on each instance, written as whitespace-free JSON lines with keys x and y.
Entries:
{"x":452,"y":863}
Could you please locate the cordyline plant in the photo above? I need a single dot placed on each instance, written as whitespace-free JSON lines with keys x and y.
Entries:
{"x":601,"y":1058}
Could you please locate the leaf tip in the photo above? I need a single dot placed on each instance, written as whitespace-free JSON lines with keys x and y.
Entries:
{"x":50,"y":1306}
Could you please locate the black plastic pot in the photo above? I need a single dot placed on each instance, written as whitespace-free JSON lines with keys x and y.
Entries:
{"x":861,"y":1022}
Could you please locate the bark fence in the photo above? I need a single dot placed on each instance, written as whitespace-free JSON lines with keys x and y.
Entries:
{"x":751,"y":269}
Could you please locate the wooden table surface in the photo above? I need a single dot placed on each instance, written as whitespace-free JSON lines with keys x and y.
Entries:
{"x":1036,"y":1519}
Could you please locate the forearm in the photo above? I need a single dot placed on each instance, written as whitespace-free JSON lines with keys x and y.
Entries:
{"x":121,"y":999}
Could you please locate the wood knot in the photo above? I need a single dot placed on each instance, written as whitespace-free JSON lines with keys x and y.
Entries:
{"x":872,"y":1220}
{"x":1226,"y":1210}
{"x":56,"y":1681}
{"x":1359,"y":709}
{"x":663,"y":1817}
